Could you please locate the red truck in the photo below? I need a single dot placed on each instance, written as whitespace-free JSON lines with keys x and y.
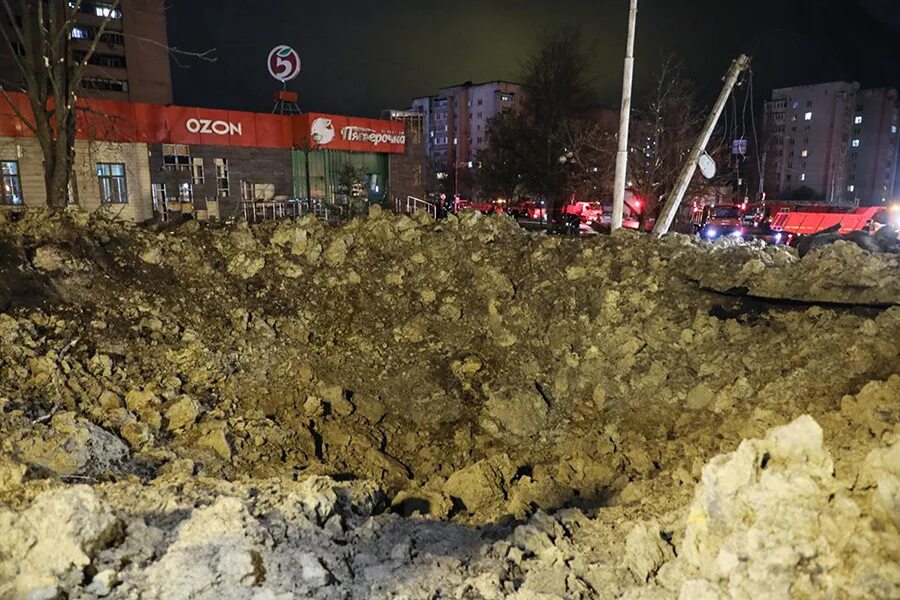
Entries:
{"x":798,"y":222}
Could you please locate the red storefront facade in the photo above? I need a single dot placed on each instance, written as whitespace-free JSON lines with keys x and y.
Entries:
{"x":188,"y":148}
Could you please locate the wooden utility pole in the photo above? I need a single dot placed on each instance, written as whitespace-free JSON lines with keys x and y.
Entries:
{"x":624,"y":118}
{"x":690,"y":166}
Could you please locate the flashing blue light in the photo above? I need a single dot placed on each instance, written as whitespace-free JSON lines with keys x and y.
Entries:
{"x":777,"y":237}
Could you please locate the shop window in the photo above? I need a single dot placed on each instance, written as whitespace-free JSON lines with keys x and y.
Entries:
{"x":185,"y":192}
{"x":158,"y":191}
{"x":197,"y":170}
{"x":251,"y":192}
{"x":246,"y":191}
{"x":11,"y":191}
{"x":222,"y":188}
{"x":263,"y":191}
{"x":112,"y":183}
{"x":176,"y":157}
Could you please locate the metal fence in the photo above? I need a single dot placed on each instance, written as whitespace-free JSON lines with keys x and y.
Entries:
{"x":412,"y":204}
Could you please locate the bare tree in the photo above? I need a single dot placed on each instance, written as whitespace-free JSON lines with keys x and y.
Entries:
{"x":591,"y":158}
{"x":557,"y":92}
{"x":39,"y":37}
{"x":663,"y":134}
{"x":501,"y":159}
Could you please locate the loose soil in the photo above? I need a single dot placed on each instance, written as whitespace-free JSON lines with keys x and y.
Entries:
{"x":402,"y":408}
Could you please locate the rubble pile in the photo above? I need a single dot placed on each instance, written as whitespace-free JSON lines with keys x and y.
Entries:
{"x":405,"y":408}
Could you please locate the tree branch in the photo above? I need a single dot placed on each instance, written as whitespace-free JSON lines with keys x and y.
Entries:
{"x":19,"y":114}
{"x":206,"y":55}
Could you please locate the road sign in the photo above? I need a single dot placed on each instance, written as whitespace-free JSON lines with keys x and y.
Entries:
{"x":284,"y":63}
{"x":707,"y":166}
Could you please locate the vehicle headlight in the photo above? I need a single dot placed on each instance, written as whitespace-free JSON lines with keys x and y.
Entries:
{"x":711,"y":233}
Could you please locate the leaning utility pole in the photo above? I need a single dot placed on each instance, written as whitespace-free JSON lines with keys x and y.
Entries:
{"x":690,"y":166}
{"x":624,"y":118}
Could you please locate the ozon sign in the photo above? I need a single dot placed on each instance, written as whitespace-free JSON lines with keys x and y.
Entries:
{"x":284,"y":63}
{"x":215,"y":127}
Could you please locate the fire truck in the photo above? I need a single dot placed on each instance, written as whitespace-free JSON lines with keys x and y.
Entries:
{"x":781,"y":222}
{"x":712,"y":222}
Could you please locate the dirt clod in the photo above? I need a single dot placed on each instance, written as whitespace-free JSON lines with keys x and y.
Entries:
{"x":402,"y":407}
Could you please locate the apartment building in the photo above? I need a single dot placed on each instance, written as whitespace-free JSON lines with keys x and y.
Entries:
{"x":832,"y":142}
{"x":873,"y":146}
{"x":457,"y":118}
{"x":131,"y":60}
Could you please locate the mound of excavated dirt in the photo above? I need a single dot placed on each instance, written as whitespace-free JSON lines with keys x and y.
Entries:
{"x":398,"y":408}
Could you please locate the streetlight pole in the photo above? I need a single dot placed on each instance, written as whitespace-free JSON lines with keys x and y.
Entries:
{"x":690,"y":166}
{"x":624,"y":118}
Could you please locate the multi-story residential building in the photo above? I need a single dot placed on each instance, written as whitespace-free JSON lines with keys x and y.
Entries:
{"x":873,"y":146}
{"x":407,"y":171}
{"x":457,"y":119}
{"x":131,"y":59}
{"x":833,"y":139}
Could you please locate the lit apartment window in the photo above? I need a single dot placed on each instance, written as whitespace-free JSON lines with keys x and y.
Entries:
{"x":222,"y":187}
{"x":197,"y":170}
{"x":855,"y":143}
{"x":807,"y":116}
{"x":857,"y":119}
{"x":893,"y":129}
{"x":176,"y":157}
{"x":112,"y":183}
{"x":802,"y":176}
{"x":11,"y":190}
{"x":804,"y":153}
{"x":108,"y":11}
{"x":81,"y":33}
{"x":851,"y":188}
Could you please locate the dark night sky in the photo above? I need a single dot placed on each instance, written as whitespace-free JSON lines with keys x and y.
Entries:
{"x":360,"y":56}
